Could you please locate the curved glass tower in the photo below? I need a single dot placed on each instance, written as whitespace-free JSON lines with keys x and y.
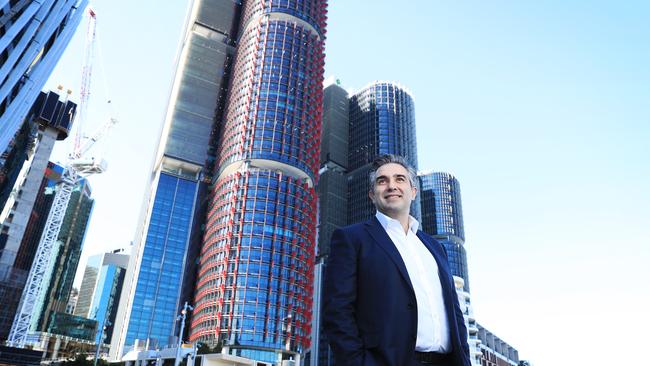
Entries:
{"x":442,"y":217}
{"x":382,"y":121}
{"x":254,"y":286}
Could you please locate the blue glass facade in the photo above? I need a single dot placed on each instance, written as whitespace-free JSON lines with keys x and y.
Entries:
{"x":188,"y":151}
{"x":274,"y":114}
{"x":382,"y":121}
{"x":157,"y":291}
{"x":33,"y":36}
{"x":256,"y":266}
{"x":103,"y":295}
{"x":254,"y":287}
{"x":441,"y":191}
{"x":101,"y":289}
{"x":442,"y":217}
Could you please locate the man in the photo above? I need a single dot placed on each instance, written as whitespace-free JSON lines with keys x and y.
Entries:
{"x":389,"y":297}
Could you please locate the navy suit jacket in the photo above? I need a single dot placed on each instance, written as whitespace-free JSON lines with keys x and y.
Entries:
{"x":369,"y":305}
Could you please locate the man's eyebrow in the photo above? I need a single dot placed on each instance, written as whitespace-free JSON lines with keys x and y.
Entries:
{"x":394,"y":175}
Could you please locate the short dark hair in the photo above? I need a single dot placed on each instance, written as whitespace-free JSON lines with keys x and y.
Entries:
{"x":388,"y":159}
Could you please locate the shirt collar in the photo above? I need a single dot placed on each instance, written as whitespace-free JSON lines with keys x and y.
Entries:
{"x":388,"y":222}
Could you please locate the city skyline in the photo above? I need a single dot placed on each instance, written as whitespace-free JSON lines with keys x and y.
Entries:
{"x":538,"y":109}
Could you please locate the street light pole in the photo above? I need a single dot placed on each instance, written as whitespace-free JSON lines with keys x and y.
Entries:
{"x":181,"y":317}
{"x":105,"y":323}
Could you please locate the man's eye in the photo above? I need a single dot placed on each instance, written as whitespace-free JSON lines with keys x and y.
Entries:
{"x":400,"y":179}
{"x":381,"y":181}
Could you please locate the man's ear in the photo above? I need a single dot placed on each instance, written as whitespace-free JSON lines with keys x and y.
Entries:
{"x":371,"y":195}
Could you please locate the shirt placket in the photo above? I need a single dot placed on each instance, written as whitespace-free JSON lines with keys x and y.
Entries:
{"x":434,"y":318}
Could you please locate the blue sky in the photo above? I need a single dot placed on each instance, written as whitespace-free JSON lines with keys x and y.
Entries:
{"x":540,"y":109}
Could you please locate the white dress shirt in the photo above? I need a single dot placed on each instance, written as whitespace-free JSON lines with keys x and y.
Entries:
{"x":433,"y":325}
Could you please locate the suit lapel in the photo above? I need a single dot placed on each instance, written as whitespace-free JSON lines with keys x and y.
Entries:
{"x":383,"y":241}
{"x":443,"y":266}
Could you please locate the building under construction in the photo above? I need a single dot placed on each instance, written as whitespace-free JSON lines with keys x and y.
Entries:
{"x":26,"y":206}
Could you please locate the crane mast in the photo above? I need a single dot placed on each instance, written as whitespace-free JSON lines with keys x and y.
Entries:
{"x":72,"y":175}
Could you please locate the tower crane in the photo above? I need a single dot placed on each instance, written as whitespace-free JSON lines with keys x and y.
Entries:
{"x":77,"y":167}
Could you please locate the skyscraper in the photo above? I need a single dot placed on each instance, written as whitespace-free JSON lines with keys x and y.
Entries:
{"x":382,"y":121}
{"x":101,"y":289}
{"x":254,"y":286}
{"x":59,"y":278}
{"x":169,"y":232}
{"x":25,"y":205}
{"x":332,"y":181}
{"x":442,"y":217}
{"x":33,"y":35}
{"x":332,"y":198}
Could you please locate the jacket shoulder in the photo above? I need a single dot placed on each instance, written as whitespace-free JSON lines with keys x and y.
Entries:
{"x":438,"y":245}
{"x":354,"y":227}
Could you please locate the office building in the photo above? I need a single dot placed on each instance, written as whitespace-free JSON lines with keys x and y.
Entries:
{"x":65,"y":254}
{"x":26,"y":206}
{"x":332,"y":198}
{"x":33,"y":36}
{"x":379,"y":119}
{"x":12,"y":161}
{"x":160,"y":274}
{"x":254,"y":286}
{"x":382,"y":121}
{"x":59,"y":276}
{"x":101,"y":289}
{"x":442,"y":218}
{"x":332,"y":181}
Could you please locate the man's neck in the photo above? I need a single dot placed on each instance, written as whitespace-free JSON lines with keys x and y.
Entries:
{"x":404,"y":220}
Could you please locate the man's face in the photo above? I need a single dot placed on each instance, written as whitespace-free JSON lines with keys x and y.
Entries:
{"x":393,"y":191}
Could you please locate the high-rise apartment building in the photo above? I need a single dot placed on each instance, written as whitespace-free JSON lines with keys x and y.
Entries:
{"x":442,"y":218}
{"x":254,"y":286}
{"x":161,"y":268}
{"x":33,"y":36}
{"x":464,"y":300}
{"x":382,"y":121}
{"x":101,"y":289}
{"x":495,"y":351}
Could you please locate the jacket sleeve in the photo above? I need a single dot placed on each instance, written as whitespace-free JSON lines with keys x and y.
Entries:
{"x":339,"y":301}
{"x":460,"y":321}
{"x":462,"y":330}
